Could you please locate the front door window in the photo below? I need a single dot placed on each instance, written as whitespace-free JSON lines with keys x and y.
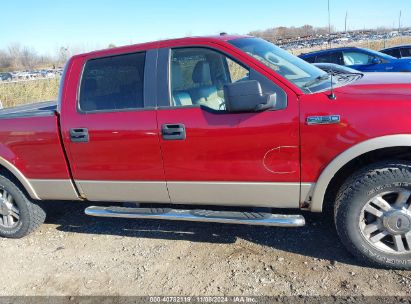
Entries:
{"x":198,"y":77}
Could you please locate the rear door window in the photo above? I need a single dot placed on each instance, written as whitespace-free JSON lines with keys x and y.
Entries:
{"x":332,"y":57}
{"x":393,"y":52}
{"x":406,"y":52}
{"x":113,"y":83}
{"x":310,"y":59}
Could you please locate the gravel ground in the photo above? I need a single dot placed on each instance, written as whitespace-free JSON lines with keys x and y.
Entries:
{"x":73,"y":254}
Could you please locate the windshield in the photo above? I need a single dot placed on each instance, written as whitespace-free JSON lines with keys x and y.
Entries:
{"x":296,"y":70}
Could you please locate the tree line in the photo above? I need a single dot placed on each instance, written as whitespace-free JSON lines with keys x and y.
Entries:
{"x":17,"y":57}
{"x":282,"y":32}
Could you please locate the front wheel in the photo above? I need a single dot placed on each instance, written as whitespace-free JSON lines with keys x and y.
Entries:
{"x":373,"y":214}
{"x":19,"y":216}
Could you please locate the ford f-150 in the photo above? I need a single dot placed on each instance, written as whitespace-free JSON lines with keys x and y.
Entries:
{"x":228,"y":129}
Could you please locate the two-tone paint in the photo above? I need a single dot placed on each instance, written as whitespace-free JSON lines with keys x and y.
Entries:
{"x":271,"y":159}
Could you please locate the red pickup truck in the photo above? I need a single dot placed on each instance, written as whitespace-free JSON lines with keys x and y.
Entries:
{"x":227,"y":129}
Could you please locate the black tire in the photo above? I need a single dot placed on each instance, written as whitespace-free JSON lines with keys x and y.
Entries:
{"x":31,"y":213}
{"x":354,"y":195}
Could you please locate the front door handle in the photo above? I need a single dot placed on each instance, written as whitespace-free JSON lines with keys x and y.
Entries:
{"x":173,"y":132}
{"x":79,"y":135}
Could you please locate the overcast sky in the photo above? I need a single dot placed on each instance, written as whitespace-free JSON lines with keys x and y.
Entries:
{"x":46,"y":25}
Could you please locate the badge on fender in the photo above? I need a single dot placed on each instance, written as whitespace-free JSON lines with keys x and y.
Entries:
{"x":323,"y":120}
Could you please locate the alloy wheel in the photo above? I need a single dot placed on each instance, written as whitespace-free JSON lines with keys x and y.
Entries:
{"x":9,"y":211}
{"x":385,"y":222}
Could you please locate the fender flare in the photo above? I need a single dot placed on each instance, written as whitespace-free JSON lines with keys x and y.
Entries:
{"x":389,"y":141}
{"x":21,"y":178}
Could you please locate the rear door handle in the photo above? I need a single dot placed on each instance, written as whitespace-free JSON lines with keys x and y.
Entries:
{"x":79,"y":135}
{"x":173,"y":131}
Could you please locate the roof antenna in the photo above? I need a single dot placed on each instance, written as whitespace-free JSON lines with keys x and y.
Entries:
{"x":332,"y":96}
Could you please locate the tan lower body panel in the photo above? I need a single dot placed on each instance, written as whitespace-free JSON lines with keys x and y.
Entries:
{"x":52,"y":189}
{"x":273,"y":195}
{"x":124,"y":191}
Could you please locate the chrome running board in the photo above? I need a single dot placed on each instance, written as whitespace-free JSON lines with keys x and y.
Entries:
{"x":211,"y":216}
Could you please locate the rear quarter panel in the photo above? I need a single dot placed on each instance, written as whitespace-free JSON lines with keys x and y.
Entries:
{"x":32,"y":145}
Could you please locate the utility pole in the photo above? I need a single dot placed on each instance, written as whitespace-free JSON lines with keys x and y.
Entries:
{"x":329,"y":24}
{"x":346,"y":17}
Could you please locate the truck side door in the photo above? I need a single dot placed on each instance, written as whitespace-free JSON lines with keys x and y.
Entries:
{"x":215,"y":157}
{"x":109,"y":128}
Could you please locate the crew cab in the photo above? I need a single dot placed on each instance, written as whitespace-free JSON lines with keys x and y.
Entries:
{"x":228,"y":129}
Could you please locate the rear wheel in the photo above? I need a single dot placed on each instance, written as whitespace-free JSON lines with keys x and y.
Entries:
{"x":18,"y":215}
{"x":373,"y":214}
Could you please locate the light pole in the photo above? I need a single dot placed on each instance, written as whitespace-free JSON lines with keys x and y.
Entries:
{"x":329,"y":24}
{"x":346,"y":17}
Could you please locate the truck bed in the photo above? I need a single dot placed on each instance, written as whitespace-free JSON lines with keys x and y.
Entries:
{"x":30,"y":110}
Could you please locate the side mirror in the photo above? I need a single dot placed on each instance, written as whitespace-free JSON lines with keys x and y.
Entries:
{"x":247,"y":96}
{"x":376,"y":60}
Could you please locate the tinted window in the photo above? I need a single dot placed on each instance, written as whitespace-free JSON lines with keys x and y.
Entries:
{"x":393,"y":52}
{"x":310,"y":59}
{"x":113,"y":83}
{"x":406,"y":52}
{"x":332,"y":57}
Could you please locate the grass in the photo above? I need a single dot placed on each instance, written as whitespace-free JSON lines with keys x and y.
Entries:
{"x":24,"y":92}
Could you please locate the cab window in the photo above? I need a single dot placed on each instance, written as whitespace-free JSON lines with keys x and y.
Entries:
{"x":113,"y":83}
{"x":393,"y":52}
{"x":198,"y":76}
{"x":405,"y":52}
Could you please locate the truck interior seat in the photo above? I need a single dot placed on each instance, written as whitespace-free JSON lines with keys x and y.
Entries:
{"x":180,"y":97}
{"x":206,"y":93}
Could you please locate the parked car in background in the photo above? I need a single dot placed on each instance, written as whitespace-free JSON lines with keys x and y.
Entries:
{"x":360,"y":59}
{"x":399,"y":51}
{"x":48,"y":73}
{"x":6,"y":77}
{"x":335,"y":69}
{"x":23,"y":75}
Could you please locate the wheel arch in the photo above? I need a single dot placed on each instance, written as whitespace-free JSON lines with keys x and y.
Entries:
{"x":9,"y":168}
{"x":356,"y":152}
